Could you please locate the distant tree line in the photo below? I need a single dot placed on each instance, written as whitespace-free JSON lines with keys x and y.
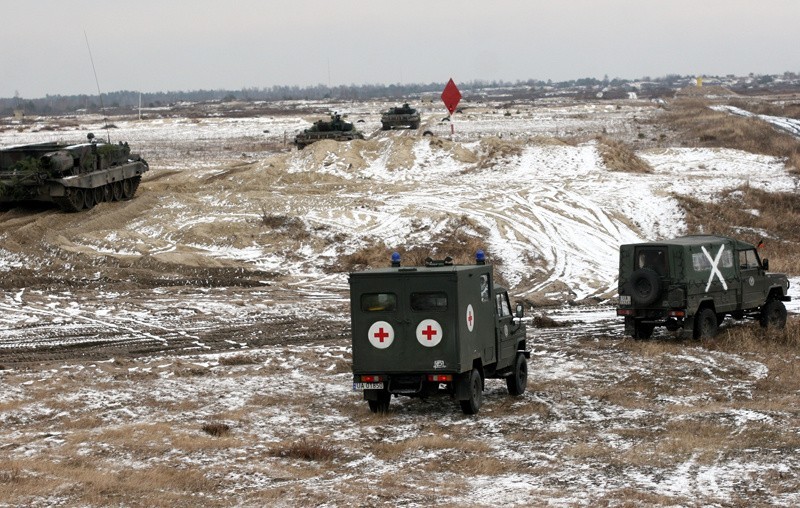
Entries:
{"x":127,"y":100}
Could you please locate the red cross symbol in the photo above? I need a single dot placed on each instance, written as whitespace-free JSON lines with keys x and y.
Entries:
{"x":381,"y":334}
{"x":469,"y":318}
{"x":429,"y":332}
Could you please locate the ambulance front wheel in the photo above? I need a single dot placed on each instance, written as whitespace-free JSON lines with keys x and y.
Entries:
{"x":518,"y":380}
{"x":381,"y":403}
{"x":472,"y":405}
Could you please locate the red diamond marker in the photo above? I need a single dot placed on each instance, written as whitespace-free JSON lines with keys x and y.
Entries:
{"x":451,"y":96}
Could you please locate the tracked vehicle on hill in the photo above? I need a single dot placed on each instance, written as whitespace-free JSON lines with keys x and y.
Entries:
{"x":403,"y":116}
{"x":74,"y":177}
{"x":335,"y":129}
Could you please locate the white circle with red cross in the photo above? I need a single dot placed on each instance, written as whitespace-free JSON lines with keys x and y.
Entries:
{"x":381,"y":334}
{"x":470,"y":318}
{"x":429,"y":332}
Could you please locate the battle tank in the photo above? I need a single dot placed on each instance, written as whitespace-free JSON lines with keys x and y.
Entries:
{"x":335,"y":129}
{"x":74,"y":177}
{"x":403,"y":116}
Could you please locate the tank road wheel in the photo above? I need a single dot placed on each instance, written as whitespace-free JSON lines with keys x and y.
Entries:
{"x":381,"y":405}
{"x":99,"y":194}
{"x":127,"y":189}
{"x":88,"y":199}
{"x":773,"y":315}
{"x":518,"y":380}
{"x":108,"y":193}
{"x":116,"y":191}
{"x":135,"y":181}
{"x":472,"y":405}
{"x":75,"y":201}
{"x":705,"y":324}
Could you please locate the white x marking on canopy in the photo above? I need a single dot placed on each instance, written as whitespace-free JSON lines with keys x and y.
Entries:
{"x":715,"y":267}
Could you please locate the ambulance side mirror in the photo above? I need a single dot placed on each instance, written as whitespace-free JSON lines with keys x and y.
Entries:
{"x":765,"y":264}
{"x":520,"y":311}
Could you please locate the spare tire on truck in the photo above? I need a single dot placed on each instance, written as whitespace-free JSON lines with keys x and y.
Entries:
{"x":644,"y":287}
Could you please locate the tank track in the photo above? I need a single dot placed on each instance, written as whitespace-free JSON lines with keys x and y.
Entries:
{"x":77,"y":200}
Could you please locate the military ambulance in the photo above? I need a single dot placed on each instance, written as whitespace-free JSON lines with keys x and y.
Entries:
{"x":693,"y":282}
{"x":421,"y":330}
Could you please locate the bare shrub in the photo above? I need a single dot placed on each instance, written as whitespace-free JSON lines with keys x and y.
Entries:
{"x":238,"y":359}
{"x":305,"y":449}
{"x":182,"y":370}
{"x":284,"y":224}
{"x":617,"y":156}
{"x":216,"y":429}
{"x":543,"y":321}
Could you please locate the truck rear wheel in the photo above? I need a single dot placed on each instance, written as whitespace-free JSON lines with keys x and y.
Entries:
{"x":773,"y":315}
{"x":705,"y":324}
{"x":518,"y":380}
{"x":472,"y":405}
{"x":643,"y":331}
{"x":381,"y":404}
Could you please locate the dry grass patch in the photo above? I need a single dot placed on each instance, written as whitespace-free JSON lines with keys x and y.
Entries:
{"x":617,"y":156}
{"x":460,"y":239}
{"x":216,"y":429}
{"x":316,"y":450}
{"x":732,"y":215}
{"x":698,"y":125}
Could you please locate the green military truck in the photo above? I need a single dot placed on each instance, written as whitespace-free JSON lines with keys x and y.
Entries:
{"x":691,"y":283}
{"x":421,"y":330}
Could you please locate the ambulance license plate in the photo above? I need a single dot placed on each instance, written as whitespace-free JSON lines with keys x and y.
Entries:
{"x":367,"y":386}
{"x":624,"y":299}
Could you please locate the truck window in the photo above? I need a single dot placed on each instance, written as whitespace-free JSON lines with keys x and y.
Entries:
{"x":653,"y":258}
{"x":378,"y":302}
{"x":503,"y":307}
{"x":484,"y":288}
{"x":429,"y":301}
{"x":701,"y":263}
{"x":748,"y":259}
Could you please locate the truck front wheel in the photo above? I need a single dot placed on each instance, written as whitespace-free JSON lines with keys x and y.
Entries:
{"x":472,"y":405}
{"x":773,"y":315}
{"x":518,"y":380}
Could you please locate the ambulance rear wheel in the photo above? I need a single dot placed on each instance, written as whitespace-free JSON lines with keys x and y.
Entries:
{"x":472,"y":405}
{"x":518,"y":380}
{"x":381,"y":405}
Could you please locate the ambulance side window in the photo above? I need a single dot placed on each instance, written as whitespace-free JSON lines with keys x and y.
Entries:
{"x":378,"y":302}
{"x":429,"y":301}
{"x":484,"y":288}
{"x":503,"y":308}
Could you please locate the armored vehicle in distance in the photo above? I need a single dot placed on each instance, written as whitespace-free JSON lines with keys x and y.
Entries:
{"x":75,"y":177}
{"x":335,"y":129}
{"x":691,"y":283}
{"x":421,"y":330}
{"x":403,"y":116}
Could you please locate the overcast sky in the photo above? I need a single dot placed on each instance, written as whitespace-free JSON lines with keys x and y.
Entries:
{"x":166,"y":45}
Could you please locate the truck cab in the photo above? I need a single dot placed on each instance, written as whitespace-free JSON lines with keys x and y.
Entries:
{"x":419,"y":330}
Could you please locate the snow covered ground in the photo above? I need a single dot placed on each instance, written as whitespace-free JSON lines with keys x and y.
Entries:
{"x":189,"y":266}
